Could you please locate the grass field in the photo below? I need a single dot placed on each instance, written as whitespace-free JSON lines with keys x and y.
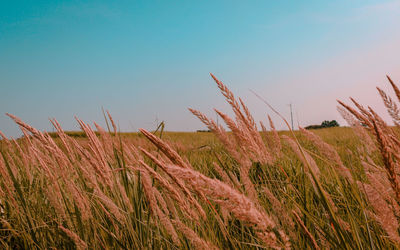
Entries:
{"x":248,"y":188}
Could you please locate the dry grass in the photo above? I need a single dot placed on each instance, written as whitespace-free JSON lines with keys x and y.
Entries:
{"x":335,"y":188}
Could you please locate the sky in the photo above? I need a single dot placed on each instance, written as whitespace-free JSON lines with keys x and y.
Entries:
{"x":148,"y":61}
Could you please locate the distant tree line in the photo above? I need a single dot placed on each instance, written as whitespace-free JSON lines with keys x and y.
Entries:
{"x":324,"y":124}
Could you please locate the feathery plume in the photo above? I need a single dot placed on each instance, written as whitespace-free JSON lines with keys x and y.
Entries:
{"x":236,"y":152}
{"x":307,"y":161}
{"x":387,"y":160}
{"x":172,"y":190}
{"x":79,"y":243}
{"x":395,"y":88}
{"x":114,"y":209}
{"x":165,"y":148}
{"x":151,"y":198}
{"x":224,"y":195}
{"x":194,"y":238}
{"x":383,"y":214}
{"x":360,"y":131}
{"x":112,"y":122}
{"x":329,"y":152}
{"x":364,"y":120}
{"x":179,"y":182}
{"x":391,"y":106}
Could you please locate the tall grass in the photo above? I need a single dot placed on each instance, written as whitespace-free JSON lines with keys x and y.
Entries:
{"x":234,"y":189}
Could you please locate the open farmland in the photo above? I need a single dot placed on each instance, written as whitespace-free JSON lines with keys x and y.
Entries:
{"x":242,"y":189}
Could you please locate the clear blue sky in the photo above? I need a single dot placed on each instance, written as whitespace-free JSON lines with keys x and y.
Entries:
{"x":149,"y":60}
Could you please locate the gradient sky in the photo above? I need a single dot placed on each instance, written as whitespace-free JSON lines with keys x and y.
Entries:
{"x":147,"y":61}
